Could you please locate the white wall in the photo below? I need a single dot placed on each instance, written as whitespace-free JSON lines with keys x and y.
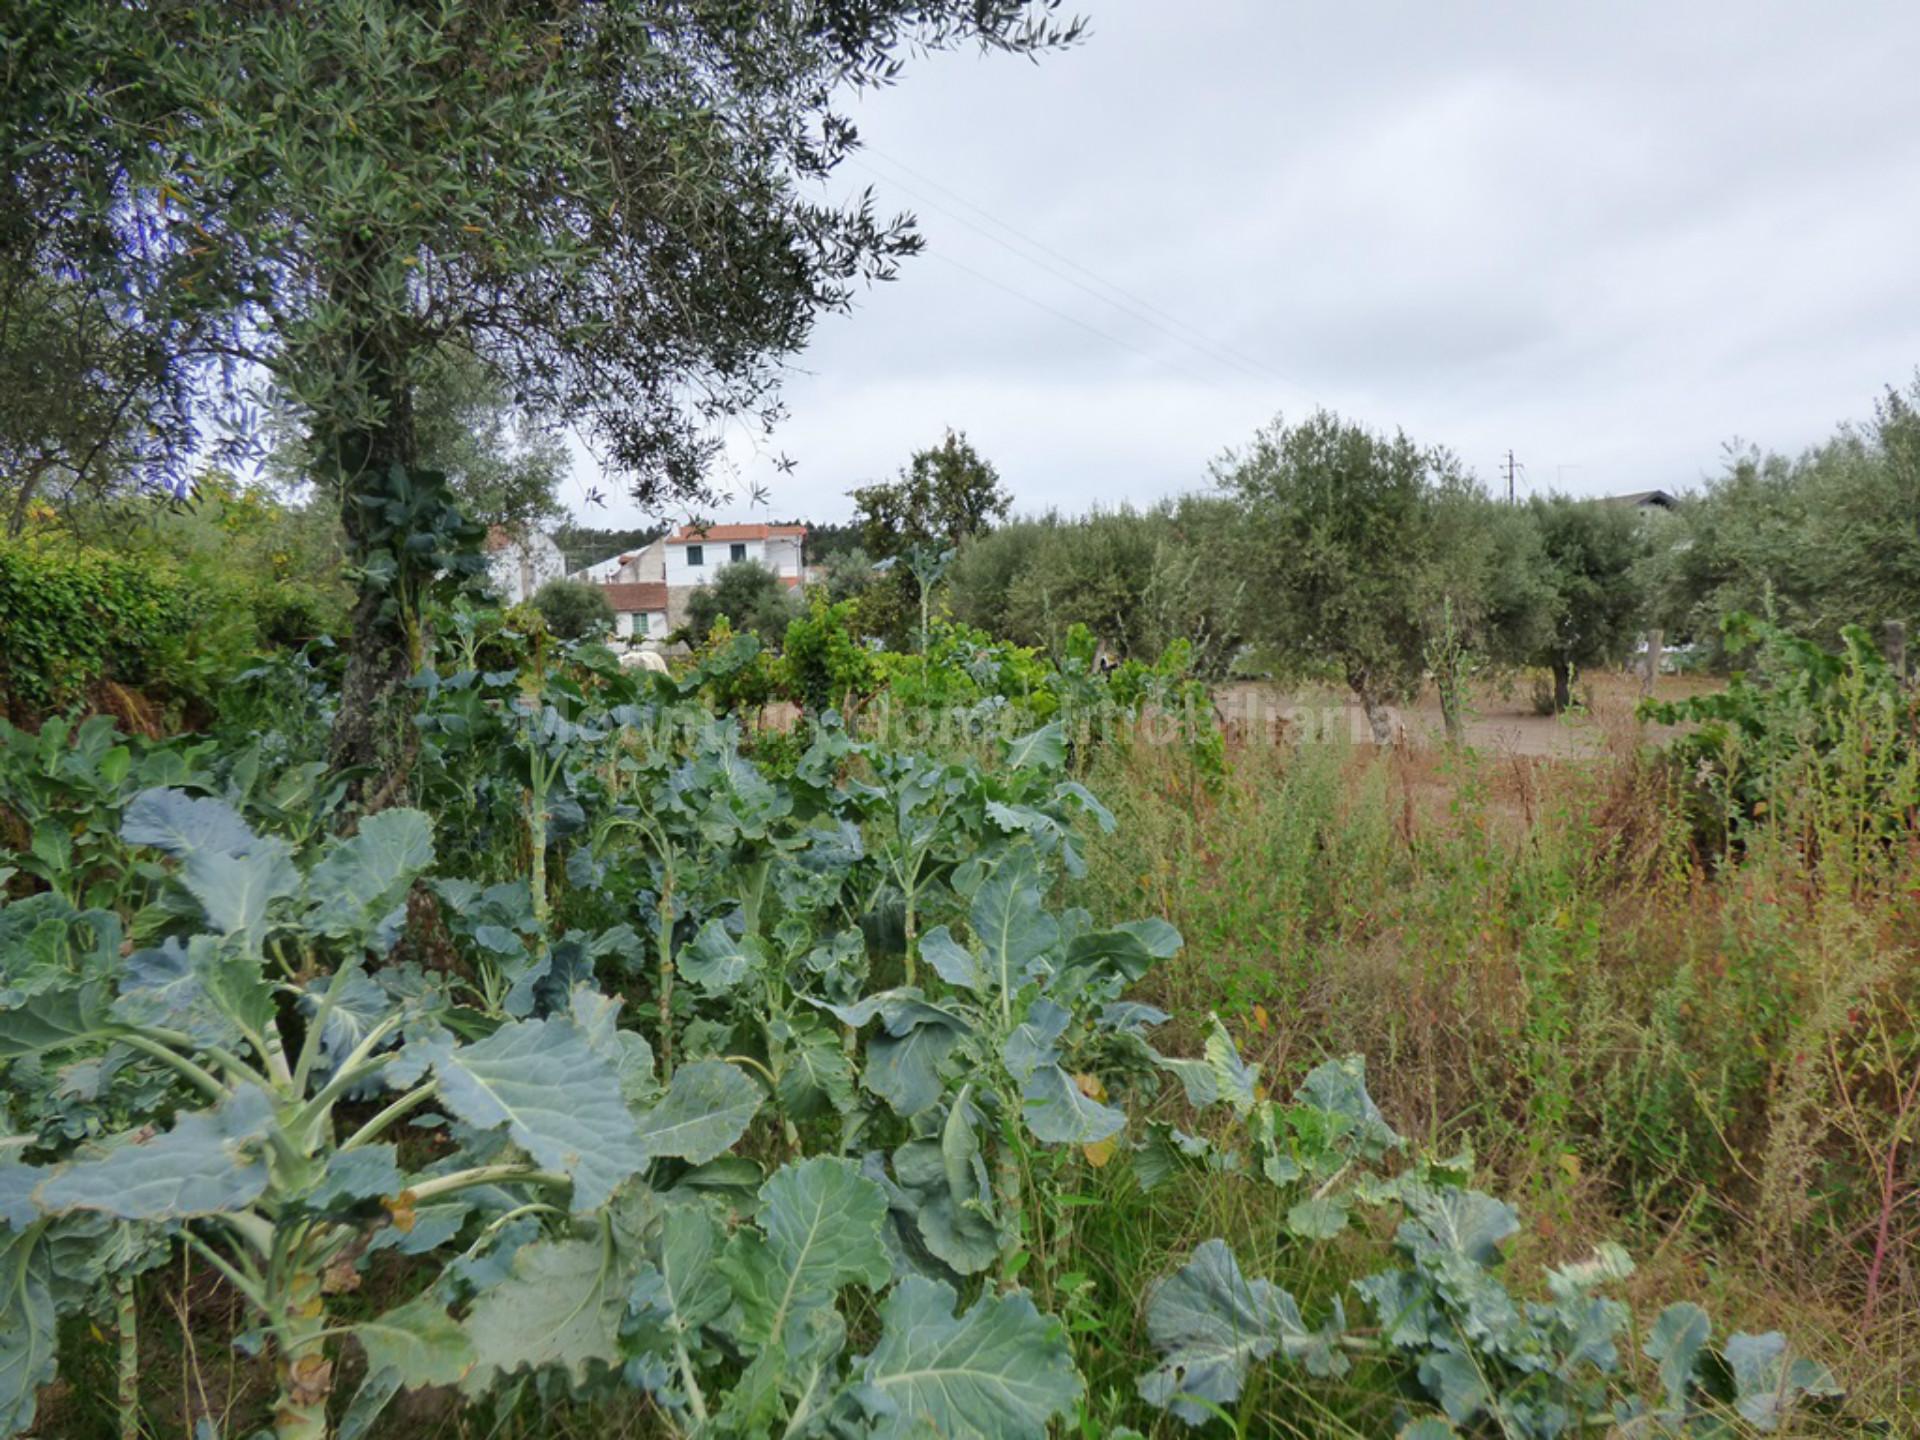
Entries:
{"x":715,"y":556}
{"x":642,"y":565}
{"x":640,"y":625}
{"x":522,"y":566}
{"x":783,"y":555}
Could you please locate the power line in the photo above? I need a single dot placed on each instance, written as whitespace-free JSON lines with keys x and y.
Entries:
{"x":1135,"y":306}
{"x":1074,"y":320}
{"x":1204,"y":339}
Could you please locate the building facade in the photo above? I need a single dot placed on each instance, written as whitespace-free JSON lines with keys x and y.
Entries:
{"x":518,"y":564}
{"x":649,"y":587}
{"x":695,"y":556}
{"x":639,"y":609}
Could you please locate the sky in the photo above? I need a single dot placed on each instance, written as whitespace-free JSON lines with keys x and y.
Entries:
{"x":1609,"y":237}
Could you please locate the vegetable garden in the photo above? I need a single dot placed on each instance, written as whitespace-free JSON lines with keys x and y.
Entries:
{"x":752,"y":1085}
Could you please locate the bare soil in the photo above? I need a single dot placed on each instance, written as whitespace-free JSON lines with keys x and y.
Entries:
{"x":1502,"y":719}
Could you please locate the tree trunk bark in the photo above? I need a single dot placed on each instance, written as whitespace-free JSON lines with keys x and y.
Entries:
{"x":1656,"y":642}
{"x":373,"y":731}
{"x":1379,"y":718}
{"x":1562,"y":686}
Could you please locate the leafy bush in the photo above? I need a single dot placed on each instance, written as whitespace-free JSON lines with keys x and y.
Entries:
{"x":574,"y":610}
{"x":1446,"y":1323}
{"x":72,"y":617}
{"x":750,"y":597}
{"x":1829,"y":738}
{"x":960,"y":667}
{"x":827,"y":667}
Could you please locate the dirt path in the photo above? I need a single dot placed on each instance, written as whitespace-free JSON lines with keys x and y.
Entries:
{"x":1501,"y":721}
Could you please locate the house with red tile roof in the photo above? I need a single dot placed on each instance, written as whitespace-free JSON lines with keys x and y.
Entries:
{"x":694,"y":555}
{"x":639,"y":608}
{"x":649,"y":587}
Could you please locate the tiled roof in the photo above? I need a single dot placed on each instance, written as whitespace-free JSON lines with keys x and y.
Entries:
{"x":500,"y":538}
{"x":687,"y":535}
{"x":636,"y":597}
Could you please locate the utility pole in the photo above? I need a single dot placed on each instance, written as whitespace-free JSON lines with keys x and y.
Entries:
{"x":1512,"y":468}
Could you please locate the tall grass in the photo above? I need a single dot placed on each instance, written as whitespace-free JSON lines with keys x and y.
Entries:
{"x":1711,"y":1056}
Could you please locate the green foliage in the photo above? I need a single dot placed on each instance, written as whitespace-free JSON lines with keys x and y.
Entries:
{"x":1825,"y":739}
{"x":1592,"y":553}
{"x":753,"y":599}
{"x":1338,"y":543}
{"x":960,"y":668}
{"x":1139,"y":581}
{"x":734,"y":673}
{"x":826,"y":665}
{"x":944,"y":496}
{"x":574,"y":610}
{"x":86,"y":398}
{"x":913,"y":527}
{"x":1445,"y":1320}
{"x":504,"y":468}
{"x":414,"y":545}
{"x":657,"y":1074}
{"x":1813,"y":542}
{"x":72,"y":617}
{"x":302,"y":196}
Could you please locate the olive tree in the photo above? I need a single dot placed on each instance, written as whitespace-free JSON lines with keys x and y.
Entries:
{"x":1592,"y":551}
{"x":574,"y":609}
{"x":612,"y":205}
{"x":1340,"y":551}
{"x":750,"y":596}
{"x":1816,"y":541}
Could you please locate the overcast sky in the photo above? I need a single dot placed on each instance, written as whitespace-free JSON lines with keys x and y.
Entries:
{"x":1610,"y":236}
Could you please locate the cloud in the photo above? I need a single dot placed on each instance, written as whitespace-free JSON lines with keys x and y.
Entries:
{"x":1609,"y":237}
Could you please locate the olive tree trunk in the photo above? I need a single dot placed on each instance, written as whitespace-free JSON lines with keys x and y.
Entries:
{"x":373,"y":731}
{"x":1379,"y":717}
{"x":1562,"y":685}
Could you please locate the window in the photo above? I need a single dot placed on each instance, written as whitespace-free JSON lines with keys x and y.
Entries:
{"x":640,"y":620}
{"x":696,"y":556}
{"x":736,"y":553}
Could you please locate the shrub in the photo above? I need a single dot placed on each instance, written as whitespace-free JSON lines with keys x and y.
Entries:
{"x":73,"y":617}
{"x":825,"y":663}
{"x":749,"y":595}
{"x":1823,"y":739}
{"x":574,"y":610}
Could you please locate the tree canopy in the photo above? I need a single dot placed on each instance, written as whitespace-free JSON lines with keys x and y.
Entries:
{"x":945,"y":494}
{"x":1592,"y":552}
{"x":752,"y":598}
{"x":1817,"y":541}
{"x":573,"y":609}
{"x":611,"y":205}
{"x":1338,"y":547}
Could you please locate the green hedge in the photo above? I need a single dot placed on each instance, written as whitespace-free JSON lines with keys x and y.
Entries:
{"x":72,"y":617}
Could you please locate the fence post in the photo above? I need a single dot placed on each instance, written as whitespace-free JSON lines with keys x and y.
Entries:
{"x":1893,"y":645}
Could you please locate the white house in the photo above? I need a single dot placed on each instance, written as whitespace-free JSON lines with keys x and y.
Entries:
{"x":520,"y":563}
{"x":690,"y":557}
{"x":643,"y":566}
{"x":694,"y":557}
{"x":639,"y":609}
{"x":649,"y":586}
